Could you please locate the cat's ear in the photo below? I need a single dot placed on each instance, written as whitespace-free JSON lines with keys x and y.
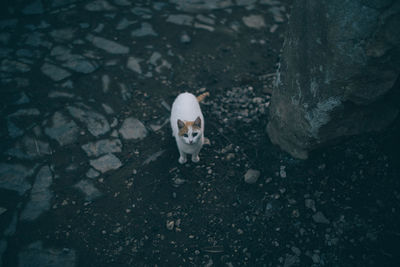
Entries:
{"x":181,"y":124}
{"x":197,"y":122}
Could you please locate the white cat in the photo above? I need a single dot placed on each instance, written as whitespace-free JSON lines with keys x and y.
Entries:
{"x":187,"y":123}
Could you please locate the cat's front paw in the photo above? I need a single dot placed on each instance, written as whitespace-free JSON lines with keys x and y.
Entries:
{"x":182,"y":160}
{"x":195,"y":158}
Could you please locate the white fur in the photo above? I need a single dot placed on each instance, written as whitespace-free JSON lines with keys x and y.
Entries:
{"x":187,"y":108}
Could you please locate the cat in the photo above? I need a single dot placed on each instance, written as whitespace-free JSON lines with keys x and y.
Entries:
{"x":187,"y":123}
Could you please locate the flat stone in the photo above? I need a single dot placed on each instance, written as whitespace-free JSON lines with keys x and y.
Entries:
{"x":30,"y":148}
{"x":310,"y":204}
{"x":156,"y":56}
{"x":105,"y":79}
{"x":205,"y":19}
{"x":107,"y":109}
{"x":63,"y":130}
{"x":106,"y":163}
{"x":203,"y":26}
{"x":132,"y":128}
{"x":185,"y":38}
{"x":124,"y":23}
{"x":12,"y":66}
{"x":142,"y":11}
{"x":35,"y":8}
{"x":61,"y":52}
{"x":25,"y":112}
{"x":28,"y":53}
{"x":23,"y":99}
{"x":145,"y":30}
{"x":319,"y":217}
{"x":254,"y":21}
{"x":13,"y":129}
{"x":251,"y":176}
{"x":180,"y":19}
{"x":99,"y":5}
{"x":41,"y":195}
{"x":125,"y":92}
{"x":134,"y":64}
{"x":92,"y":173}
{"x":53,"y":72}
{"x":96,"y":123}
{"x":13,"y":177}
{"x":108,"y":45}
{"x":36,"y":255}
{"x":37,"y":39}
{"x":202,"y":6}
{"x":62,"y":35}
{"x":87,"y":188}
{"x":101,"y":147}
{"x":81,"y":65}
{"x":60,"y":94}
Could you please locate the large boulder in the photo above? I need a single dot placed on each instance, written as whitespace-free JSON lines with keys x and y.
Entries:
{"x":340,"y":61}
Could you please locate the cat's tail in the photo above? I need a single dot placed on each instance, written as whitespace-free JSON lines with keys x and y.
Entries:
{"x":202,"y":96}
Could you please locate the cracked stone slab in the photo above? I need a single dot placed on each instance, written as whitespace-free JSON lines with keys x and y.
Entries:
{"x":88,"y":189}
{"x":96,"y":123}
{"x":63,"y":130}
{"x":53,"y":72}
{"x":106,"y":163}
{"x":134,"y":64}
{"x":40,"y":198}
{"x":13,"y":177}
{"x":36,"y":255}
{"x":132,"y":128}
{"x":29,"y":148}
{"x":101,"y":147}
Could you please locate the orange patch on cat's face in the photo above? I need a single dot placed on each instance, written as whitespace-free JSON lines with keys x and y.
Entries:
{"x":184,"y":129}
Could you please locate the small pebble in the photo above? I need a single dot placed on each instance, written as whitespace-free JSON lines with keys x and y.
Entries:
{"x":251,"y":176}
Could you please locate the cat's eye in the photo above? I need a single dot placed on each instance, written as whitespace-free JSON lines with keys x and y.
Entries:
{"x":194,"y":134}
{"x":185,"y":135}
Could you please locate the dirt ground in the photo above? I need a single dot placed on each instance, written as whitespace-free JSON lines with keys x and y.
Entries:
{"x":89,"y":172}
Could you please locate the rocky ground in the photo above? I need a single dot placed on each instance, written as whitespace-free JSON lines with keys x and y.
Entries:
{"x":89,"y":174}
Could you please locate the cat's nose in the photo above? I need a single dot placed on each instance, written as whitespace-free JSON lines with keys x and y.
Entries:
{"x":190,"y":141}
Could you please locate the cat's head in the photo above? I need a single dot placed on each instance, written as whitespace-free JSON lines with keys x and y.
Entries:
{"x":190,"y":131}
